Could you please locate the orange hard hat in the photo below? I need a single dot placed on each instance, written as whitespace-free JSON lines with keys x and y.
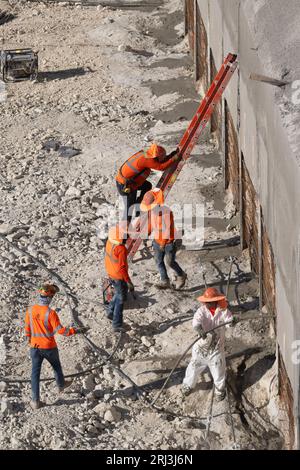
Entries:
{"x":117,"y":233}
{"x":48,"y":290}
{"x":156,"y":151}
{"x":152,"y":198}
{"x":211,"y":295}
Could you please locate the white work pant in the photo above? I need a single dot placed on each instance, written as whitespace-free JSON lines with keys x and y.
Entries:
{"x":215,"y":361}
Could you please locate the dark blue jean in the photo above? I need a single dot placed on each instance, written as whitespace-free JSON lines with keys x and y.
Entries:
{"x":131,"y":199}
{"x":167,"y":252}
{"x":37,"y":356}
{"x":116,"y":306}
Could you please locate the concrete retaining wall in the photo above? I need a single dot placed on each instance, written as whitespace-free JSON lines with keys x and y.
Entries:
{"x":267,"y":151}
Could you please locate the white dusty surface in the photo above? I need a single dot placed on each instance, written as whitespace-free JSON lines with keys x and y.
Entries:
{"x":111,"y":81}
{"x":275,"y":28}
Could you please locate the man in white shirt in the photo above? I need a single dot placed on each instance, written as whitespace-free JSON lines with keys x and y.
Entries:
{"x":209,"y":351}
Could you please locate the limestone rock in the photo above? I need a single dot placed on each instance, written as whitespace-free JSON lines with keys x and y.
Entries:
{"x":112,"y":415}
{"x":89,"y":383}
{"x":73,"y":193}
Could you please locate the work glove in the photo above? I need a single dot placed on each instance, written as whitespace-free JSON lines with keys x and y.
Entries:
{"x":174,"y":153}
{"x":130,"y":286}
{"x":81,"y":329}
{"x":177,"y":156}
{"x":201,"y":332}
{"x":234,"y":321}
{"x":205,"y":345}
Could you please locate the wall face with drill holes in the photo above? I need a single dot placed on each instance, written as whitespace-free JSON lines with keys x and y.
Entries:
{"x":260,"y":170}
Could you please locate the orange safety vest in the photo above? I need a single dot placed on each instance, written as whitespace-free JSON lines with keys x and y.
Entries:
{"x":162,"y":223}
{"x":129,"y":173}
{"x":112,"y":262}
{"x":41,"y":324}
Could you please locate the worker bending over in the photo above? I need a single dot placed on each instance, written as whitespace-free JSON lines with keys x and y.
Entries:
{"x":116,"y":266}
{"x":209,"y":351}
{"x":41,"y":324}
{"x":132,"y":175}
{"x":161,"y":224}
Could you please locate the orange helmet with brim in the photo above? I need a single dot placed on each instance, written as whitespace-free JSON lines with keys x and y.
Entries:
{"x":152,"y":198}
{"x":211,"y":295}
{"x":117,"y":233}
{"x":156,"y":151}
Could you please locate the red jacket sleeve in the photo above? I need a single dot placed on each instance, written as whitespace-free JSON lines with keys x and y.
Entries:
{"x":121,"y":252}
{"x":154,"y":164}
{"x":57,"y":326}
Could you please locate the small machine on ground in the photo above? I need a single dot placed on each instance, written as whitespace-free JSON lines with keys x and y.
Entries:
{"x":18,"y":65}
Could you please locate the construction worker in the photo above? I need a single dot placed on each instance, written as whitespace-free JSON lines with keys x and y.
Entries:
{"x":161,"y":224}
{"x":117,"y":269}
{"x":132,"y":175}
{"x":209,"y":350}
{"x":41,"y":324}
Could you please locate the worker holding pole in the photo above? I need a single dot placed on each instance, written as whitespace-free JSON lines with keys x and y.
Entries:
{"x":209,"y":351}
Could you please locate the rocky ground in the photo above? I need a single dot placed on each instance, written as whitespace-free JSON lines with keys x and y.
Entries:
{"x":111,"y":81}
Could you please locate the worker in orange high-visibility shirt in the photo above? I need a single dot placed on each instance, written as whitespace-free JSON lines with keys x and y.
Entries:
{"x":41,"y":324}
{"x":161,"y":225}
{"x":132,"y":175}
{"x":117,"y":269}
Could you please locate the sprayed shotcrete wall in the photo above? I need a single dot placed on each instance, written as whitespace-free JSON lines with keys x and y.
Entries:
{"x":261,"y":163}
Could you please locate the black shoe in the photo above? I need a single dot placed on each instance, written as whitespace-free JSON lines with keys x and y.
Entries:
{"x":118,"y":329}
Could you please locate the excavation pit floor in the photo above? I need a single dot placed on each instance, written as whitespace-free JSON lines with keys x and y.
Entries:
{"x":109,"y":85}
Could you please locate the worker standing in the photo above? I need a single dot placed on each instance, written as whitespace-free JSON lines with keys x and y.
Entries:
{"x":41,"y":324}
{"x":209,"y":351}
{"x":116,"y":266}
{"x":132,"y":175}
{"x":161,"y":224}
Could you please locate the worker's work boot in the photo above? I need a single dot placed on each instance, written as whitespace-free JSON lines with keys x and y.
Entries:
{"x":180,"y":281}
{"x":220,"y":395}
{"x":119,"y":329}
{"x":67,"y":384}
{"x":36,"y":404}
{"x":163,"y":284}
{"x":186,"y":390}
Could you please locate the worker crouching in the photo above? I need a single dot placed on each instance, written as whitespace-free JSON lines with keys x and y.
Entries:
{"x":132,"y":175}
{"x":209,"y":351}
{"x":116,"y":266}
{"x":161,"y":224}
{"x":41,"y":324}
